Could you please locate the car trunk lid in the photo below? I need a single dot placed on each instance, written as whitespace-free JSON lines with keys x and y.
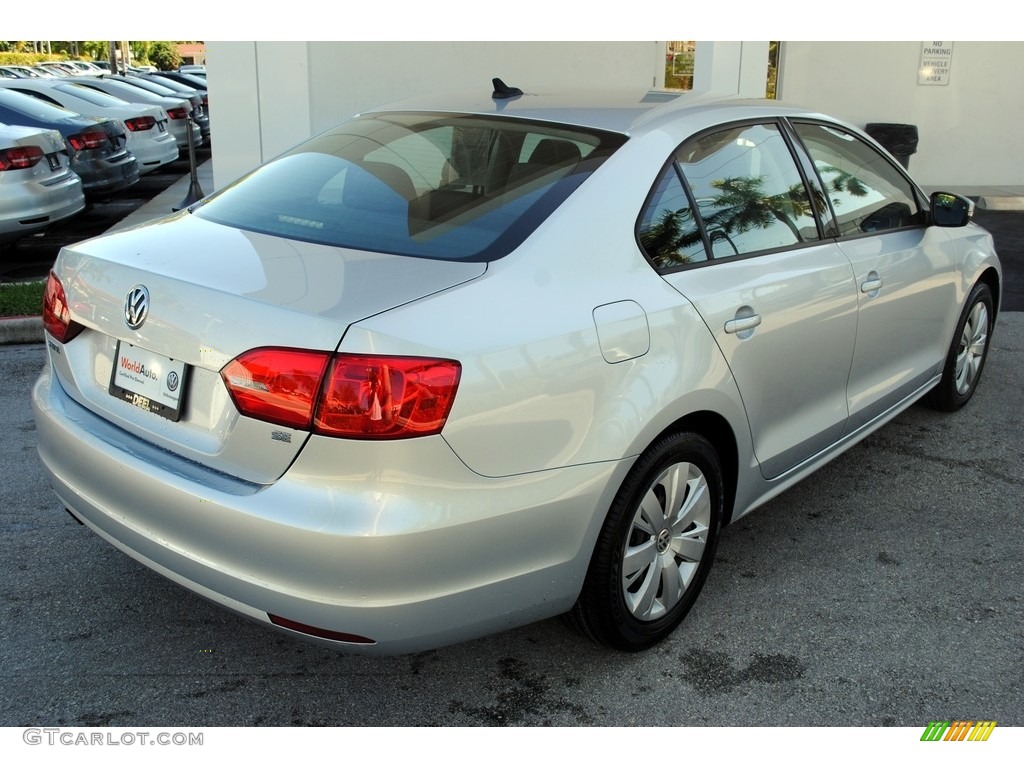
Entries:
{"x":214,"y":292}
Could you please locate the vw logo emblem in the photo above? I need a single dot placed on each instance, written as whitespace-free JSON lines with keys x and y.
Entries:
{"x":172,"y":380}
{"x":664,"y":540}
{"x":136,"y":307}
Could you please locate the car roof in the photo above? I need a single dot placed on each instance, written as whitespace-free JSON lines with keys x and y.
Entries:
{"x":627,"y":112}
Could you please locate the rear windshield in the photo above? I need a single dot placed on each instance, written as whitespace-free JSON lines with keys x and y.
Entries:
{"x":440,"y":186}
{"x":31,"y":107}
{"x":98,"y":98}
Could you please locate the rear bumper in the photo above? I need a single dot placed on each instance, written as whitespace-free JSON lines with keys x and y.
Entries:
{"x":180,"y":130}
{"x":24,"y":214}
{"x":154,"y":149}
{"x":410,"y":559}
{"x":103,"y":177}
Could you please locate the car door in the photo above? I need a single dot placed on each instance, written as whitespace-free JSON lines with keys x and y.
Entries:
{"x":904,"y":270}
{"x":732,"y":227}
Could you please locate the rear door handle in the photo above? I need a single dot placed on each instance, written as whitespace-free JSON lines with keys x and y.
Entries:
{"x":872,"y":283}
{"x":740,"y":324}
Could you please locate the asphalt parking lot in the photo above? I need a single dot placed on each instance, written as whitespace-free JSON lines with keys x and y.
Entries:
{"x":882,"y":591}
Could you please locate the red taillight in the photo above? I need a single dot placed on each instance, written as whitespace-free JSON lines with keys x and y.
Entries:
{"x":374,"y":397}
{"x":276,"y":385}
{"x":177,"y":113}
{"x":92,"y":139}
{"x":56,"y":316}
{"x":386,"y":397}
{"x":143,"y":123}
{"x":19,"y":158}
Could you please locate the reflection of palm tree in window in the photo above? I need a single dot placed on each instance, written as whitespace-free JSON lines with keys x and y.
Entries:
{"x":844,"y":181}
{"x":668,"y":239}
{"x":742,"y":205}
{"x":864,"y":216}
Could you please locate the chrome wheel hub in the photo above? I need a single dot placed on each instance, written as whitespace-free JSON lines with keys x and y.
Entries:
{"x":666,"y":541}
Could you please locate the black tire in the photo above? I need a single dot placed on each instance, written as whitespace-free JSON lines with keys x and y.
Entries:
{"x":656,"y":547}
{"x":967,"y":352}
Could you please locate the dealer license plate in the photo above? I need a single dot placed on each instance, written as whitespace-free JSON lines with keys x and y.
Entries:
{"x":148,"y":381}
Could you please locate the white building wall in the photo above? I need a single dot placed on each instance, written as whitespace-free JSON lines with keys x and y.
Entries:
{"x":269,"y":96}
{"x":969,"y":130}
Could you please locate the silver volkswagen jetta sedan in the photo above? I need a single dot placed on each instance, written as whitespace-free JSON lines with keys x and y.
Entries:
{"x":460,"y":365}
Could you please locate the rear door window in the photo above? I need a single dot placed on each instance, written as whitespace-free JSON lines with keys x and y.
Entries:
{"x":747,"y":189}
{"x":731,"y":192}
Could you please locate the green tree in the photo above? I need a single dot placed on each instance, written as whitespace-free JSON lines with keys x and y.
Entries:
{"x":142,"y":50}
{"x":164,"y":56}
{"x":95,"y":49}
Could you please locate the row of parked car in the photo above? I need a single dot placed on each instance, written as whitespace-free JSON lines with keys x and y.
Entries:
{"x":68,"y":136}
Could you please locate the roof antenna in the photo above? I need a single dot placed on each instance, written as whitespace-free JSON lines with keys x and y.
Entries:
{"x":502,"y":91}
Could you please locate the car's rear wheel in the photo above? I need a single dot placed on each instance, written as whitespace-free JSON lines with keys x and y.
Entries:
{"x":967,"y":352}
{"x":656,"y":547}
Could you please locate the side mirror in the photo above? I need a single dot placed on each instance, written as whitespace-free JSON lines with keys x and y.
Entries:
{"x":951,"y":210}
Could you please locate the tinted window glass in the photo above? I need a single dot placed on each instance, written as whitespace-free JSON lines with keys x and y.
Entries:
{"x":867,"y":192}
{"x":668,"y":230}
{"x":453,"y":187}
{"x":98,"y":98}
{"x":40,"y":96}
{"x":29,"y":106}
{"x":748,"y":190}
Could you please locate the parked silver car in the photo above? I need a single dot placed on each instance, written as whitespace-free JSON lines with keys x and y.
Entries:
{"x":37,"y":186}
{"x":9,"y":70}
{"x":145,"y":124}
{"x":178,"y":109}
{"x":97,"y":148}
{"x":458,"y":366}
{"x":161,"y":86}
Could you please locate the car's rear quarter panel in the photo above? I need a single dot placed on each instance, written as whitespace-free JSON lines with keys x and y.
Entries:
{"x":526,"y":335}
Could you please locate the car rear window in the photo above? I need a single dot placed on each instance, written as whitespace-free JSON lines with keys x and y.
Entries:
{"x":31,"y":107}
{"x":440,"y":186}
{"x":97,"y":98}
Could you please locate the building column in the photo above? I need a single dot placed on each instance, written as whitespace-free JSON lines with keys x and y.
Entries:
{"x":731,"y":68}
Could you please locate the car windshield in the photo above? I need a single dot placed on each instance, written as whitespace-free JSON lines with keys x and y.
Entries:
{"x":440,"y":186}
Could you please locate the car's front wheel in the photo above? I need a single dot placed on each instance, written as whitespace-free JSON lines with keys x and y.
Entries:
{"x":967,"y":352}
{"x":656,"y":547}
